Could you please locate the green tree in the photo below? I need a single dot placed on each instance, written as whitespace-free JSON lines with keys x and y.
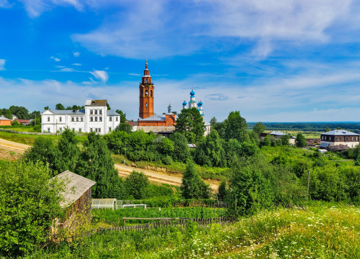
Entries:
{"x":96,"y":164}
{"x":235,"y":127}
{"x":137,"y":184}
{"x":300,"y":140}
{"x":30,"y":201}
{"x":123,"y":126}
{"x":8,"y":114}
{"x":46,"y":108}
{"x":191,"y":124}
{"x":267,"y":141}
{"x":259,"y":128}
{"x":20,"y":112}
{"x":44,"y":151}
{"x":327,"y":129}
{"x":222,"y":191}
{"x":70,"y":151}
{"x":122,"y":116}
{"x":181,"y":151}
{"x":338,"y":128}
{"x":108,"y":106}
{"x":59,"y":106}
{"x":212,"y":148}
{"x":249,"y":191}
{"x":285,"y":140}
{"x":213,"y":121}
{"x":192,"y":186}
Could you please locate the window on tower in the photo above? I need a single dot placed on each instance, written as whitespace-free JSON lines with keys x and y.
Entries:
{"x":145,"y":104}
{"x":142,"y":93}
{"x":146,"y":93}
{"x":151,"y":93}
{"x":145,"y":80}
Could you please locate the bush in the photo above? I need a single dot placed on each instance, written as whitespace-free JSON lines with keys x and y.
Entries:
{"x":167,"y":160}
{"x":137,"y":184}
{"x":29,"y":203}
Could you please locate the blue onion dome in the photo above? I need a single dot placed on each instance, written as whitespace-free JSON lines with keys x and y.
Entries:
{"x":192,"y":93}
{"x":184,"y":103}
{"x":200,"y":103}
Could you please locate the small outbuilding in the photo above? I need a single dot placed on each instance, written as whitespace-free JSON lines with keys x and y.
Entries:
{"x":77,"y":197}
{"x":5,"y":121}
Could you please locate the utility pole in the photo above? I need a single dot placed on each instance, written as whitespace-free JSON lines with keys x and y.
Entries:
{"x":308,"y":185}
{"x":35,"y":118}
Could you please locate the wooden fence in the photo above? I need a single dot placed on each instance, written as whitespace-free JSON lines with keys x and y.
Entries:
{"x":181,"y":222}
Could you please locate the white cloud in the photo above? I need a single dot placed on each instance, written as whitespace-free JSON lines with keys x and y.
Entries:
{"x":35,"y":8}
{"x":76,"y":64}
{"x":67,"y":69}
{"x":200,"y":24}
{"x":5,"y":4}
{"x":76,"y":54}
{"x":56,"y":59}
{"x":102,"y":75}
{"x":2,"y":64}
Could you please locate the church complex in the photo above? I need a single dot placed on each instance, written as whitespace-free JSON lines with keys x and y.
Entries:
{"x":162,"y":124}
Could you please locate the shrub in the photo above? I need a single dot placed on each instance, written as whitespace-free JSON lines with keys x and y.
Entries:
{"x":29,"y":203}
{"x":137,"y":184}
{"x":167,"y":160}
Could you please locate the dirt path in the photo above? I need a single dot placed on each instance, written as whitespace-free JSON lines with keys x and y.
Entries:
{"x":123,"y":170}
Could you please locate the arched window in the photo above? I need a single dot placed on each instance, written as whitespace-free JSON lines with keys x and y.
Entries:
{"x":146,"y":93}
{"x":145,"y":104}
{"x":151,"y":93}
{"x":142,"y":93}
{"x":145,"y":80}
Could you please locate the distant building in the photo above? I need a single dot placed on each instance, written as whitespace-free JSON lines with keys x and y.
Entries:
{"x":147,"y":117}
{"x":277,"y":135}
{"x":5,"y":121}
{"x":23,"y":122}
{"x":339,"y":137}
{"x":95,"y":118}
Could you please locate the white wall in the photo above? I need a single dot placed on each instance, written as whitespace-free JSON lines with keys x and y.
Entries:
{"x":57,"y":122}
{"x":349,"y":144}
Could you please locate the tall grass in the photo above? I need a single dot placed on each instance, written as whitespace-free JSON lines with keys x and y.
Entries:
{"x":321,"y":231}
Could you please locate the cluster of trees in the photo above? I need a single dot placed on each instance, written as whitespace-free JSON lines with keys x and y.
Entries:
{"x":20,"y":112}
{"x":59,"y":106}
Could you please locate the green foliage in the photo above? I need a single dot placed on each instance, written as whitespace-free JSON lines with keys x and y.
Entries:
{"x":44,"y":151}
{"x":300,"y":140}
{"x":285,"y":140}
{"x":327,"y":129}
{"x":69,"y":150}
{"x":46,"y":108}
{"x":8,"y":114}
{"x":15,"y":123}
{"x":96,"y":164}
{"x":213,"y":121}
{"x":222,"y":191}
{"x":190,"y":123}
{"x":259,"y":128}
{"x":211,"y":150}
{"x":235,"y":127}
{"x":59,"y":106}
{"x":29,"y":204}
{"x":167,"y":160}
{"x":192,"y":185}
{"x":137,"y":184}
{"x":249,"y":191}
{"x":267,"y":141}
{"x":181,"y":151}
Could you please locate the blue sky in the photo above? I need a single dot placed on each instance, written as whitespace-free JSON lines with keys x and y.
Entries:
{"x":273,"y":60}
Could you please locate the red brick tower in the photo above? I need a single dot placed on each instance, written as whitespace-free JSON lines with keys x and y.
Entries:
{"x":146,"y":89}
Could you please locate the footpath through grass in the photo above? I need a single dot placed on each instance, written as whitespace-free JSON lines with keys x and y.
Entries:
{"x":322,"y":231}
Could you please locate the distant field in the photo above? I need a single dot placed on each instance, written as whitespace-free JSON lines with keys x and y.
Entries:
{"x":307,"y":134}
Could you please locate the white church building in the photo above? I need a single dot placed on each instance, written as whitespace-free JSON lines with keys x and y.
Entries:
{"x":95,"y":118}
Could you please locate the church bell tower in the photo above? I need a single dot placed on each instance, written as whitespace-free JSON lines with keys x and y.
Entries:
{"x":146,"y":89}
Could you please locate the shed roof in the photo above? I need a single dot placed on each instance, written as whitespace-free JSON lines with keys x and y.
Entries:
{"x":339,"y":133}
{"x":80,"y":184}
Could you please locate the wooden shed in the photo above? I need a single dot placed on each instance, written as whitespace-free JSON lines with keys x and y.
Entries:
{"x":77,"y":197}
